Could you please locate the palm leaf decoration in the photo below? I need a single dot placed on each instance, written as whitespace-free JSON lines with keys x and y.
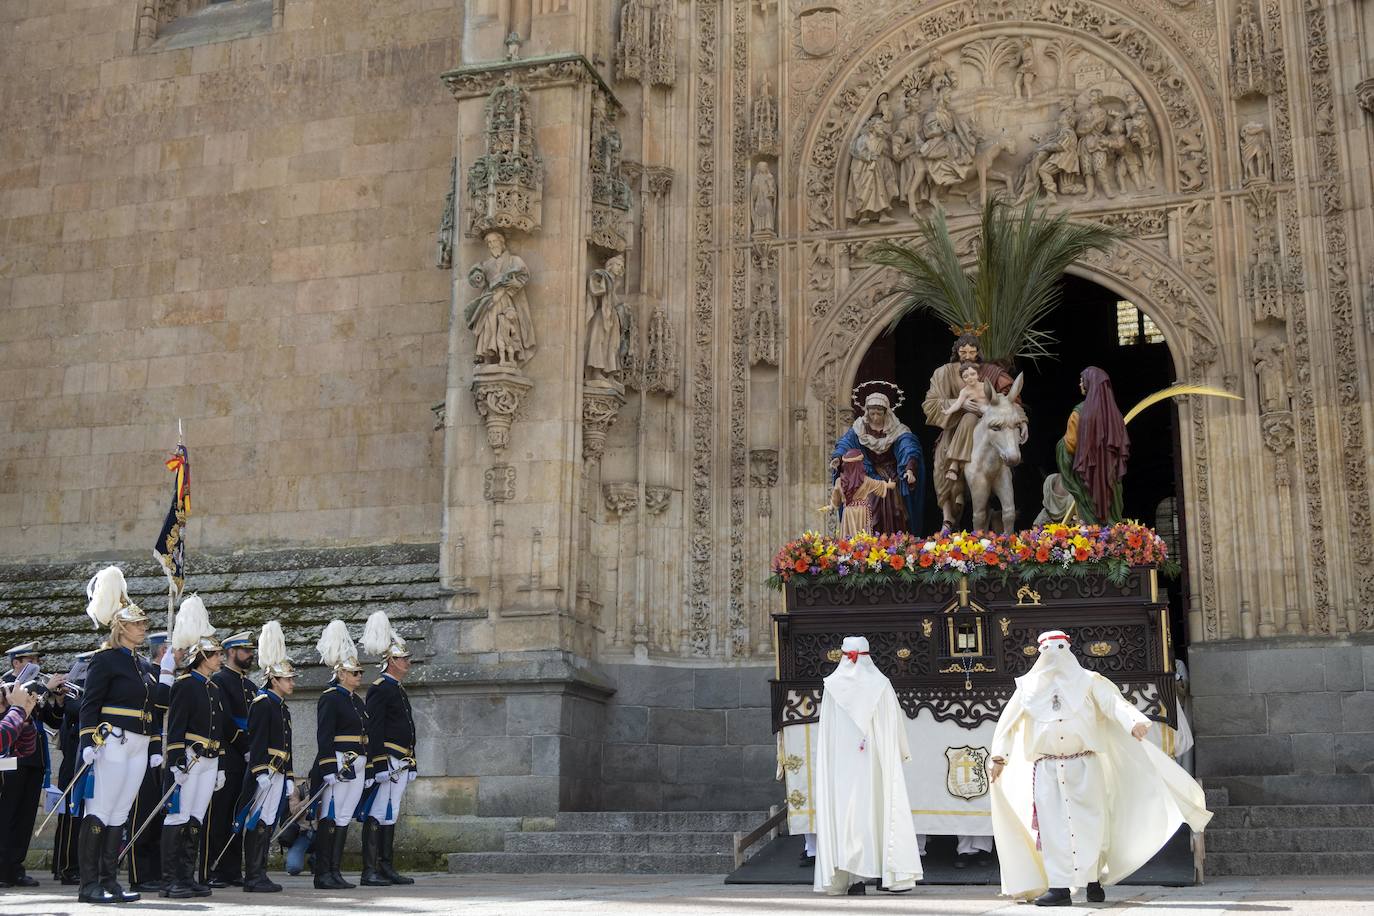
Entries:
{"x":1177,"y":391}
{"x":1014,"y":285}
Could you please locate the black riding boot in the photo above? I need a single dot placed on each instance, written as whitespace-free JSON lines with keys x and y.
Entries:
{"x":89,"y":845}
{"x":324,"y":851}
{"x":1055,"y":896}
{"x":175,"y":879}
{"x":255,"y":878}
{"x":385,"y":866}
{"x":109,"y":869}
{"x":372,"y":852}
{"x":336,"y":857}
{"x":194,"y":840}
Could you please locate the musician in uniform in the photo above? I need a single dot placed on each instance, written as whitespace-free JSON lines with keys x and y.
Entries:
{"x":145,"y":860}
{"x":193,"y":747}
{"x":341,"y":762}
{"x":268,"y":780}
{"x":117,"y":719}
{"x":64,"y":869}
{"x":236,"y":691}
{"x":391,"y":748}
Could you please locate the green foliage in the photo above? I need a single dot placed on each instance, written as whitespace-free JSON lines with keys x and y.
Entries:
{"x":1015,"y":283}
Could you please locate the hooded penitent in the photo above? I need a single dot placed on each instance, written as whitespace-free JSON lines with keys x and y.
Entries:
{"x":863,"y":817}
{"x":1116,"y":800}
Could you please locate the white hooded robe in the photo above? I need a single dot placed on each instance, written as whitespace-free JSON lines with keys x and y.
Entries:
{"x":1130,"y":797}
{"x":863,"y":818}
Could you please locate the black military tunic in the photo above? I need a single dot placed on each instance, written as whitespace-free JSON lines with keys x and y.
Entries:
{"x":236,"y":691}
{"x":340,"y":727}
{"x":269,"y":752}
{"x":391,"y":725}
{"x":145,"y":862}
{"x":193,"y":719}
{"x":121,"y":691}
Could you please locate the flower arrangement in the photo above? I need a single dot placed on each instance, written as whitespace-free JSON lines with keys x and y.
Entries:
{"x":1052,"y":549}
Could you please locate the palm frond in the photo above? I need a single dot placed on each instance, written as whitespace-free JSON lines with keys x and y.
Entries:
{"x":1015,"y":284}
{"x":1177,"y":391}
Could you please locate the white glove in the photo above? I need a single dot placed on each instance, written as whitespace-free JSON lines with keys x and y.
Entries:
{"x":179,"y":776}
{"x":219,"y":780}
{"x":263,"y":780}
{"x":331,"y":779}
{"x":367,"y":783}
{"x":168,"y":667}
{"x":410,"y":775}
{"x":89,"y":753}
{"x":290,"y":787}
{"x":155,"y":761}
{"x":245,"y":756}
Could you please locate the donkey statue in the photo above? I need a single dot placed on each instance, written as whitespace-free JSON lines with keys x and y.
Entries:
{"x":997,"y":441}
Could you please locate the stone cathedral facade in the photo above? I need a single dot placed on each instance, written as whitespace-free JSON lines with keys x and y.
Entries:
{"x":537,"y":320}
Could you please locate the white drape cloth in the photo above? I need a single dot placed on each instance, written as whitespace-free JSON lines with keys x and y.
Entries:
{"x":118,"y":770}
{"x":863,"y":817}
{"x":1101,"y":816}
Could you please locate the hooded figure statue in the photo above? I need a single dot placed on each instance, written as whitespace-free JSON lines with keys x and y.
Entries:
{"x":1075,"y":801}
{"x":863,"y":818}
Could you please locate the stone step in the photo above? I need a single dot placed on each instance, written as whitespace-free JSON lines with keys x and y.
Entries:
{"x":1217,"y":798}
{"x":1291,"y":816}
{"x":1288,"y":863}
{"x":659,"y":821}
{"x":1311,"y":839}
{"x":621,"y":843}
{"x":574,"y":863}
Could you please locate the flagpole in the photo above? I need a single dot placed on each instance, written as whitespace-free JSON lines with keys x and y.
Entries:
{"x":171,"y":585}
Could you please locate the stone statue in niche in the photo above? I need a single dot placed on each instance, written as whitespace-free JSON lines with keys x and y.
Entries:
{"x":1093,"y":152}
{"x":1025,"y":70}
{"x":949,"y":143}
{"x":764,"y":195}
{"x":1140,"y":136}
{"x":499,"y":316}
{"x":872,"y":173}
{"x":1055,"y":156}
{"x":1271,"y":370}
{"x":1256,"y":160}
{"x":608,"y":341}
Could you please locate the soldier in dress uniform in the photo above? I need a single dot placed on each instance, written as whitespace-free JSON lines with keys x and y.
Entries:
{"x":391,"y":747}
{"x":268,"y":780}
{"x":21,"y":788}
{"x":236,"y":691}
{"x":145,"y":861}
{"x":193,"y":747}
{"x":64,"y":869}
{"x":117,"y":715}
{"x":341,"y":760}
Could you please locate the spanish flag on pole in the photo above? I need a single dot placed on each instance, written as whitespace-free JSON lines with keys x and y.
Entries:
{"x":170,"y":547}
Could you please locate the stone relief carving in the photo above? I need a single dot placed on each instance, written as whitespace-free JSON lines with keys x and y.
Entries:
{"x":764,"y":195}
{"x":1256,"y":158}
{"x":499,"y":316}
{"x":506,"y":183}
{"x":662,"y":368}
{"x":621,"y":498}
{"x":1364,"y":94}
{"x":611,"y":197}
{"x":601,"y":404}
{"x":646,"y":49}
{"x":497,"y":393}
{"x":763,"y":476}
{"x":610,"y":325}
{"x":656,"y":499}
{"x":1249,"y":59}
{"x":764,"y":122}
{"x":820,"y":278}
{"x":1266,"y":281}
{"x":819,"y":28}
{"x":443,"y":257}
{"x":498,"y":483}
{"x":1199,"y":244}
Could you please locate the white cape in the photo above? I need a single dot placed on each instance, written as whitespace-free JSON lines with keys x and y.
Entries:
{"x":863,"y":818}
{"x":1148,"y":795}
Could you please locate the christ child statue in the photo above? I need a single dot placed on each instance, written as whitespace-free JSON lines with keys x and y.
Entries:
{"x":973,"y":400}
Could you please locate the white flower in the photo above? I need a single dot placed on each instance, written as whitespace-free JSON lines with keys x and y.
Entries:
{"x":985,"y":542}
{"x":927,"y":547}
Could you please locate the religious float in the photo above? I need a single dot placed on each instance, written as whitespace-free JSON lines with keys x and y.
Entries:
{"x":951,"y":620}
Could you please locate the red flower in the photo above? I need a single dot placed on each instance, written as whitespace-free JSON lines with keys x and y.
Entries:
{"x":1080,"y":554}
{"x":897,"y":561}
{"x":990,"y":558}
{"x":927,"y":559}
{"x":801,"y":565}
{"x":1134,"y":539}
{"x":1042,"y":555}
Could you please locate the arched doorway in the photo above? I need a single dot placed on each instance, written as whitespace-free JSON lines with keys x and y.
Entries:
{"x":1094,"y":326}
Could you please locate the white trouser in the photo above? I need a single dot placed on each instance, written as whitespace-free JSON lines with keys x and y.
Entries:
{"x":968,"y":845}
{"x":118,"y":772}
{"x":268,"y":803}
{"x":194,"y":797}
{"x":341,"y":799}
{"x":386,"y":805}
{"x":810,"y":843}
{"x":1070,"y":807}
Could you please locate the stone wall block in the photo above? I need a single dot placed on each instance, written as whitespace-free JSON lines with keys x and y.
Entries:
{"x":717,"y":688}
{"x":630,"y":763}
{"x":1304,"y":712}
{"x":535,"y":714}
{"x":626,"y":724}
{"x":1217,"y":672}
{"x":1357,"y":711}
{"x":517,"y":796}
{"x":482,"y":715}
{"x":1230,"y":715}
{"x":1287,"y":670}
{"x":1254,"y":755}
{"x":686,"y":726}
{"x":711,"y":765}
{"x":749,"y":726}
{"x":490,"y":756}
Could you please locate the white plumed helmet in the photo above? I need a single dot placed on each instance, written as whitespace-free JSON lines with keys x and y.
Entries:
{"x":382,"y":640}
{"x":336,"y":648}
{"x":272,"y":652}
{"x":192,"y":631}
{"x":108,"y":596}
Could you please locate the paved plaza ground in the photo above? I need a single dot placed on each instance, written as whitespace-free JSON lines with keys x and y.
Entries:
{"x":617,"y":895}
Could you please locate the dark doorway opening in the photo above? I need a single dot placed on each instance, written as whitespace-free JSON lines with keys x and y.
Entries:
{"x":1093,"y":326}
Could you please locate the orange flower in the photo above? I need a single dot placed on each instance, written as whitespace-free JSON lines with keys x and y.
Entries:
{"x":1134,"y":539}
{"x":1080,"y":554}
{"x":898,"y":561}
{"x":927,"y":559}
{"x":1042,"y":555}
{"x":801,"y":565}
{"x":990,"y":559}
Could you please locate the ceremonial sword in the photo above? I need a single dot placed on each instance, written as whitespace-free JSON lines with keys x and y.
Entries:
{"x":98,"y":739}
{"x":193,"y":757}
{"x":349,"y":757}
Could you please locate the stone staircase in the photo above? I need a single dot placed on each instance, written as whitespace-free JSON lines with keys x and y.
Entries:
{"x":619,"y":842}
{"x":1288,"y":839}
